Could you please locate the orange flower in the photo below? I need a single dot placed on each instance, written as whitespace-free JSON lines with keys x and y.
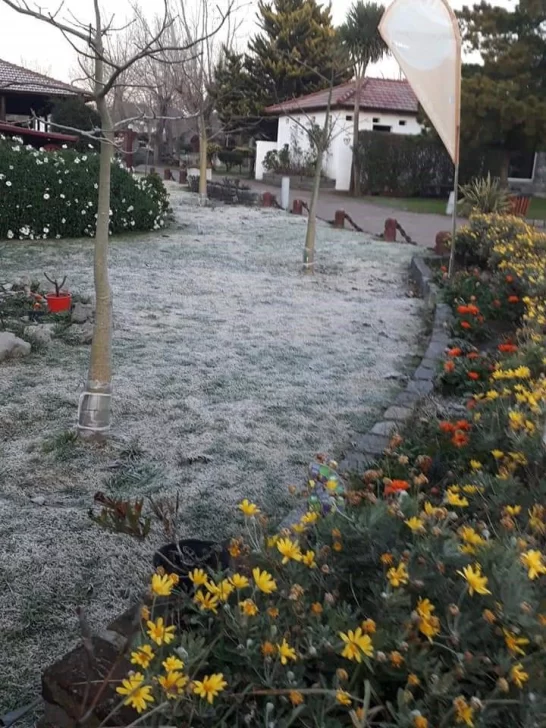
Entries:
{"x":463,"y":425}
{"x":507,"y":348}
{"x":462,"y":310}
{"x":472,"y":355}
{"x":447,"y":427}
{"x":473,"y":375}
{"x":509,"y":279}
{"x":396,"y":486}
{"x":460,"y":439}
{"x":466,"y":324}
{"x":267,"y":649}
{"x":455,"y":351}
{"x":513,"y":299}
{"x":449,"y":367}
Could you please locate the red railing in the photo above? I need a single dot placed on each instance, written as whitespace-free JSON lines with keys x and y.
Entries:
{"x":520,"y":205}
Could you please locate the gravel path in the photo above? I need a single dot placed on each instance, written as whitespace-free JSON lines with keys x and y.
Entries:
{"x":231,"y":370}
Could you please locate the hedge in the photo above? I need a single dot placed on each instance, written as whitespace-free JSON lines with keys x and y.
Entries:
{"x":55,"y":194}
{"x":415,"y":166}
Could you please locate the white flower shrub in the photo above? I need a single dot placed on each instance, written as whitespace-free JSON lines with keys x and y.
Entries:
{"x":54,"y":206}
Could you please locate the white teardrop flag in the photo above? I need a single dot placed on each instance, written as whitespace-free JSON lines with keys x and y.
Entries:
{"x":424,"y":37}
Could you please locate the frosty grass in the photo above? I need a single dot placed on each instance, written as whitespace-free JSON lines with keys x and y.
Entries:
{"x":223,"y":351}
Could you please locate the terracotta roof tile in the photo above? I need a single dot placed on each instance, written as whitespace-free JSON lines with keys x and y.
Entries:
{"x":20,"y":80}
{"x":377,"y":93}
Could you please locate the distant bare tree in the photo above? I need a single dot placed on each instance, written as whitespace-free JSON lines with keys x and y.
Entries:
{"x":92,"y":42}
{"x":197,"y":74}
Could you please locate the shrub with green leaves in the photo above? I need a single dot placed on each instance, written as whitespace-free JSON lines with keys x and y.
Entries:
{"x":55,"y":194}
{"x":484,"y":195}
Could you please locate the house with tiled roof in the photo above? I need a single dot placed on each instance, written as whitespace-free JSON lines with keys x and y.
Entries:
{"x":26,"y":101}
{"x":385,"y":105}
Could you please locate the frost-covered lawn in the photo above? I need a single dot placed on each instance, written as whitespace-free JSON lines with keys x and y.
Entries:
{"x":224,"y":353}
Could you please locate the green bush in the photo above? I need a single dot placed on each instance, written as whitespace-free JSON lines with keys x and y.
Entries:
{"x":412,"y":165}
{"x":484,"y":195}
{"x":475,"y":241}
{"x":75,"y":113}
{"x":55,"y":194}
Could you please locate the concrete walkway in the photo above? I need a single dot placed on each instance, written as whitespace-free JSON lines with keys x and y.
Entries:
{"x":421,"y":227}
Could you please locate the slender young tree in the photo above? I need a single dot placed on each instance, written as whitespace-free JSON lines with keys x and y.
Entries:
{"x":197,"y":73}
{"x":360,"y":36}
{"x":319,"y":138}
{"x":89,"y":39}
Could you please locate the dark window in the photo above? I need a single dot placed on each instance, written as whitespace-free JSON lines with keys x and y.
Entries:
{"x":521,"y":165}
{"x":348,"y":117}
{"x":402,"y":122}
{"x":381,"y":127}
{"x":376,"y":120}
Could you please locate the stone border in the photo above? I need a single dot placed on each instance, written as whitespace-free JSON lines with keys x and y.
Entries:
{"x":370,"y":446}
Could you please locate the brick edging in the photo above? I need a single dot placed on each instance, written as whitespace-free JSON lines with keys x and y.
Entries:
{"x":371,"y":445}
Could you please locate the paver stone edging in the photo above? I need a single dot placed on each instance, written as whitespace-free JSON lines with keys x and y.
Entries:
{"x":368,"y":447}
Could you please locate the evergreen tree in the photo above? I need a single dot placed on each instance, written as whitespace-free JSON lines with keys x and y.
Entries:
{"x":504,"y":100}
{"x":293,"y":55}
{"x":238,"y":94}
{"x":74,"y":113}
{"x":298,"y":51}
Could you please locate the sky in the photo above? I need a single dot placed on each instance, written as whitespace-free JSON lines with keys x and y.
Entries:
{"x":29,"y":42}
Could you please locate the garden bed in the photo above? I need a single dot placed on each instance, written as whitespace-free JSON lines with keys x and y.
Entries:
{"x":231,"y":370}
{"x":414,"y":595}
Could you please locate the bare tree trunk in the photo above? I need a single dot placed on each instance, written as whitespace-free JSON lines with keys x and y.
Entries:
{"x":202,"y":159}
{"x":310,"y":237}
{"x":94,"y":411}
{"x":356,"y":124}
{"x":322,"y":142}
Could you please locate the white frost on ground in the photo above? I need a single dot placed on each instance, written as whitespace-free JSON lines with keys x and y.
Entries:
{"x":222,"y":349}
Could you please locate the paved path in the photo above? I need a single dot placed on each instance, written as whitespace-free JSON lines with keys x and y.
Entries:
{"x":421,"y":227}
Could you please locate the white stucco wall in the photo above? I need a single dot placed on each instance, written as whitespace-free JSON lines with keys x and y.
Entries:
{"x":262,"y":148}
{"x":338,"y":161}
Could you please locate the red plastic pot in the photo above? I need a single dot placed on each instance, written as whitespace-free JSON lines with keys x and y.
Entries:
{"x":60,"y":303}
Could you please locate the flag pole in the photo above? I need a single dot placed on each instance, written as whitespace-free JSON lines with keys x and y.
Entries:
{"x":454,"y":216}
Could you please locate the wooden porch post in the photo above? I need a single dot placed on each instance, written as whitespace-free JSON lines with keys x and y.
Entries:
{"x":2,"y":108}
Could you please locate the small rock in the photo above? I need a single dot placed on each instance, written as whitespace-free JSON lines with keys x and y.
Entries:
{"x":11,"y":346}
{"x":7,"y":286}
{"x":39,"y":500}
{"x":43,"y":333}
{"x":82,"y":312}
{"x":83,"y":334}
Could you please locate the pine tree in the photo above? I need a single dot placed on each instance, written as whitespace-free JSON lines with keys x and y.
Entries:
{"x":238,"y":93}
{"x":504,"y":100}
{"x":293,"y":53}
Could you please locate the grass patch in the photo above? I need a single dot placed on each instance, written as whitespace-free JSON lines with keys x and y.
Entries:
{"x":433,"y":206}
